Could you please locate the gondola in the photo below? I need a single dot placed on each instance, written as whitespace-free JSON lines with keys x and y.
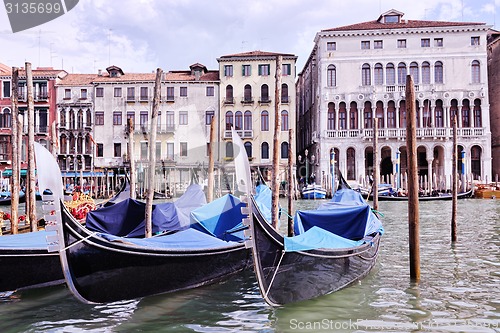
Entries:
{"x":436,"y":197}
{"x":313,"y":191}
{"x":25,"y":261}
{"x":333,"y":247}
{"x":6,"y":197}
{"x":192,"y":246}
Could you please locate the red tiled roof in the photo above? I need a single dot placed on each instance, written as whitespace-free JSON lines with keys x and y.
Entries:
{"x":187,"y":76}
{"x":404,"y":24}
{"x":77,"y":79}
{"x":5,"y":70}
{"x":127,"y":77}
{"x":44,"y":72}
{"x":256,"y":54}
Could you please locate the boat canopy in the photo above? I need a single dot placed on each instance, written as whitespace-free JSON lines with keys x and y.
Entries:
{"x":29,"y":240}
{"x":317,"y":238}
{"x":127,"y":218}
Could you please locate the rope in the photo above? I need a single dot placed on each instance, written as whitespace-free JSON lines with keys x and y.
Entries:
{"x":282,"y":210}
{"x":275,"y":272}
{"x":78,"y":242}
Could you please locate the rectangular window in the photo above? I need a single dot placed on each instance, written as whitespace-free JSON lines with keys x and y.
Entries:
{"x":474,"y":41}
{"x":210,"y":91}
{"x":286,"y":69}
{"x":184,"y":149}
{"x":99,"y":118}
{"x":99,"y":92}
{"x":425,"y":42}
{"x":246,"y":70}
{"x":130,"y":94}
{"x":131,"y":115}
{"x":378,"y":44}
{"x":117,"y":149}
{"x":117,"y":118}
{"x":83,"y":93}
{"x":209,"y":115}
{"x":401,"y":43}
{"x":438,"y":42}
{"x":170,"y":151}
{"x":67,"y":93}
{"x":144,"y":150}
{"x":6,"y":89}
{"x":170,"y":120}
{"x":143,"y":120}
{"x":183,"y":91}
{"x":170,"y":93}
{"x":264,"y":70}
{"x":228,"y":70}
{"x":100,"y":150}
{"x":158,"y":150}
{"x":183,"y":118}
{"x":144,"y":93}
{"x":331,"y":46}
{"x":117,"y":92}
{"x":365,"y":45}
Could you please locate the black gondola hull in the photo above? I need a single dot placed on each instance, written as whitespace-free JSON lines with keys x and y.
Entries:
{"x":447,"y":197}
{"x":100,"y":271}
{"x":296,"y":276}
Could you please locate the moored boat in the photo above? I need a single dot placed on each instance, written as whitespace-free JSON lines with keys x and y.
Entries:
{"x":313,"y":191}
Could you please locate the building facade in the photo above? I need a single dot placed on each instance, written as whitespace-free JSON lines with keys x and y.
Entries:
{"x":247,"y":103}
{"x":494,"y":95}
{"x":358,"y":73}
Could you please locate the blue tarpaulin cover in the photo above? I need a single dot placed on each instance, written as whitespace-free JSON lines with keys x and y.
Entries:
{"x":29,"y":240}
{"x":263,"y":197}
{"x":346,"y":218}
{"x":127,"y":218}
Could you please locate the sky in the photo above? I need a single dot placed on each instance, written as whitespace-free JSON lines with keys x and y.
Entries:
{"x":142,"y":35}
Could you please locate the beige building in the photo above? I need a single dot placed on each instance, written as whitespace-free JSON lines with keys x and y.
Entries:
{"x":247,"y":103}
{"x":357,"y":73}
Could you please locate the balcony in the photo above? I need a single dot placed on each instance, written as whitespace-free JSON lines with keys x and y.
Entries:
{"x":144,"y":99}
{"x":285,"y":99}
{"x":247,"y":101}
{"x":130,"y":99}
{"x":244,"y":134}
{"x":168,"y":99}
{"x":229,"y":101}
{"x":400,"y":133}
{"x":264,"y":100}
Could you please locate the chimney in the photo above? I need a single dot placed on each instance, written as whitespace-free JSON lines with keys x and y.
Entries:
{"x":99,"y":72}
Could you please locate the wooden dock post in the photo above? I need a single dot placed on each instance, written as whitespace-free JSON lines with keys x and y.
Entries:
{"x":454,"y":190}
{"x":16,"y":167}
{"x":290,"y":182}
{"x":211,"y":162}
{"x":130,"y":153}
{"x":152,"y":153}
{"x":30,"y":188}
{"x":375,"y":164}
{"x":275,"y":185}
{"x":413,"y":206}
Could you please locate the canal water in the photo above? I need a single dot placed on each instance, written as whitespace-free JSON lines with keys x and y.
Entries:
{"x":458,"y":291}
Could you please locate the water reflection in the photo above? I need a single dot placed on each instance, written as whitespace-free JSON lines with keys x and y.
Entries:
{"x":458,"y":291}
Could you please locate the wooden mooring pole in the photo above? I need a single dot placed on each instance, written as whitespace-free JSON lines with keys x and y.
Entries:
{"x":275,"y":185}
{"x":454,"y":189}
{"x":375,"y":164}
{"x":211,"y":162}
{"x":152,"y":153}
{"x":16,"y":167}
{"x":131,"y":157}
{"x":30,"y":179}
{"x":290,"y":182}
{"x":413,"y":207}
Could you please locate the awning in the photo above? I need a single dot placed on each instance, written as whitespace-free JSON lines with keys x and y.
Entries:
{"x":8,"y":173}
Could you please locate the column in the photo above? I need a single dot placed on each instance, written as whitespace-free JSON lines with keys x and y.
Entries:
{"x":430,"y":175}
{"x":432,"y":109}
{"x":361,"y":119}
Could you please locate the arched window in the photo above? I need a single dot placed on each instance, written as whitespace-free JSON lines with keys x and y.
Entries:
{"x":342,"y":116}
{"x":402,"y":114}
{"x":476,"y":72}
{"x":379,"y":113}
{"x":351,"y":164}
{"x":353,"y":116}
{"x":5,"y":118}
{"x":248,"y":148}
{"x":264,"y":151}
{"x":390,"y":73}
{"x":79,"y":144}
{"x":62,"y":118}
{"x":378,"y":73}
{"x":88,"y":144}
{"x":426,"y":72}
{"x":247,"y":120}
{"x":475,"y":157}
{"x":414,"y":72}
{"x":89,"y":117}
{"x":238,"y":120}
{"x":366,"y":75}
{"x":284,"y":120}
{"x":284,"y":93}
{"x":465,"y":113}
{"x":427,"y":114}
{"x":391,"y":114}
{"x":80,"y":119}
{"x":284,"y":150}
{"x":247,"y":94}
{"x":331,"y":76}
{"x":438,"y":114}
{"x":454,"y":110}
{"x":367,"y":113}
{"x":71,"y":119}
{"x":264,"y":93}
{"x":438,"y":72}
{"x":229,"y":120}
{"x":331,"y":116}
{"x":401,"y":73}
{"x":477,"y":113}
{"x":229,"y":95}
{"x":229,"y":149}
{"x":264,"y":121}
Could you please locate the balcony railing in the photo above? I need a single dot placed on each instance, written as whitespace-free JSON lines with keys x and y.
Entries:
{"x":398,"y":133}
{"x":244,"y":134}
{"x":229,"y":101}
{"x":161,"y":128}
